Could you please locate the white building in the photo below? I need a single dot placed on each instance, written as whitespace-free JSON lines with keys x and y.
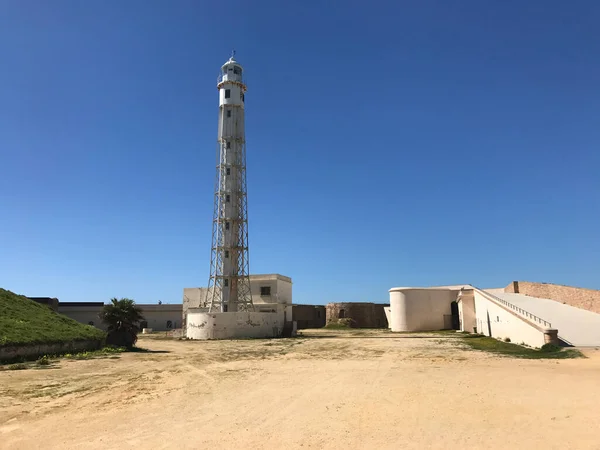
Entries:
{"x":163,"y":317}
{"x":502,"y":313}
{"x":271,"y":293}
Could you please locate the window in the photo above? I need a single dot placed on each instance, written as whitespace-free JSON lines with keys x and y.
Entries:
{"x":265,"y":290}
{"x":225,"y":282}
{"x":169,"y":324}
{"x":226,"y":253}
{"x":228,"y":171}
{"x":237,"y":70}
{"x":91,"y":322}
{"x":228,"y":198}
{"x":342,"y":314}
{"x":243,"y":97}
{"x":227,"y":93}
{"x":228,"y":113}
{"x":227,"y":225}
{"x":228,"y":144}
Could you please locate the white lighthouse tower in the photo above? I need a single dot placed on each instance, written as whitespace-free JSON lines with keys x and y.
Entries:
{"x":229,"y":284}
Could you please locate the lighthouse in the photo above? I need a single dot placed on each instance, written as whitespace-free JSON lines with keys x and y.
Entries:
{"x":229,"y":283}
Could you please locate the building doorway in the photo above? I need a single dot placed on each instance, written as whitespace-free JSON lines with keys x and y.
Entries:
{"x":455,"y":316}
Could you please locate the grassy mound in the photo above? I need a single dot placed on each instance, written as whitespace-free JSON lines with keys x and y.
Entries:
{"x":25,"y":322}
{"x":488,"y":344}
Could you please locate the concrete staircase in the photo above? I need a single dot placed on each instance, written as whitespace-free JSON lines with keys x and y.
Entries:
{"x":576,"y":327}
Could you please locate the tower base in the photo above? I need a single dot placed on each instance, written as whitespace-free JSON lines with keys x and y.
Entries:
{"x":203,"y":325}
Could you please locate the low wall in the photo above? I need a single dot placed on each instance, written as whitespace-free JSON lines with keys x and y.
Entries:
{"x":16,"y":352}
{"x":498,"y":322}
{"x":587,"y":299}
{"x":232,"y":325}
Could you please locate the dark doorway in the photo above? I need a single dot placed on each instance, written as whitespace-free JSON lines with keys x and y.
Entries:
{"x":342,"y":314}
{"x":455,"y":316}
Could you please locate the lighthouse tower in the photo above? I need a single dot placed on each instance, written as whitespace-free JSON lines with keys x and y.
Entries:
{"x":229,"y":284}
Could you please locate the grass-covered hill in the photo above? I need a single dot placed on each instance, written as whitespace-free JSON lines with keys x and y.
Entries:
{"x":25,"y":322}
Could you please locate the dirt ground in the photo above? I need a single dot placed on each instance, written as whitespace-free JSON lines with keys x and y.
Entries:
{"x":325,"y":390}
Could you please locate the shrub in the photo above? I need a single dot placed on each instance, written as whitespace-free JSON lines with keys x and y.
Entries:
{"x":43,"y":361}
{"x":19,"y":366}
{"x":122,"y":317}
{"x":338,"y":324}
{"x":506,"y":339}
{"x":551,"y":348}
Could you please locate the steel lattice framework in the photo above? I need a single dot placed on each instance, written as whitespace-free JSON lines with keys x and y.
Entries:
{"x":229,"y":283}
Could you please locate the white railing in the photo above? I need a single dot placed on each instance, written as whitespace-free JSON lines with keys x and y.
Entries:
{"x":517,"y":309}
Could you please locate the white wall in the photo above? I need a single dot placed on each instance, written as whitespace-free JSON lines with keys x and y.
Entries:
{"x":388,"y":315}
{"x":466,"y":311}
{"x":232,"y":325}
{"x":158,"y":315}
{"x":83,"y":314}
{"x":420,"y":309}
{"x":495,"y":321}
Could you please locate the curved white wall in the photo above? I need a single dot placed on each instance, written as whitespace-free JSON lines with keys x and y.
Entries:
{"x":419,"y":309}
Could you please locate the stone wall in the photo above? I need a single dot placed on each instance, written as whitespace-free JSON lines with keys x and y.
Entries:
{"x":308,"y":316}
{"x":14,"y":352}
{"x":587,"y":299}
{"x":364,"y":315}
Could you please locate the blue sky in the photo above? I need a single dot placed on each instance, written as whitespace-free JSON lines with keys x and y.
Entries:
{"x":389,"y":144}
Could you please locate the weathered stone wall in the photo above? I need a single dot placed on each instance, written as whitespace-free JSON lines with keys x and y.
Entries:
{"x":587,"y":299}
{"x":364,"y":315}
{"x":308,"y":316}
{"x":13,"y":352}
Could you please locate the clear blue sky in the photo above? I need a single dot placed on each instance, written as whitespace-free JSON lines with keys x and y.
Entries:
{"x":389,"y":143}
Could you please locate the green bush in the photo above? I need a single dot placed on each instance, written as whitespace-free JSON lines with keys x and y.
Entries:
{"x":507,"y":339}
{"x":551,"y":348}
{"x":19,"y":366}
{"x":341,"y":324}
{"x":43,"y":361}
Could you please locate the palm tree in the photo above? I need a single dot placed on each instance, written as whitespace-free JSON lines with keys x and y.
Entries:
{"x":122,"y":317}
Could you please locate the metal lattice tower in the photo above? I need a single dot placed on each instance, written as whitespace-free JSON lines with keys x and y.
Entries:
{"x":229,"y":284}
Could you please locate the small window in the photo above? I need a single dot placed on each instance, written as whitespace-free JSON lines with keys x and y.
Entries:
{"x":225,"y":282}
{"x":227,"y":225}
{"x":228,"y":198}
{"x":91,"y":322}
{"x":228,"y":171}
{"x":228,"y":144}
{"x":226,"y":253}
{"x":265,"y":290}
{"x":243,"y":97}
{"x":237,"y":70}
{"x":169,"y":324}
{"x":228,"y":113}
{"x":227,"y":93}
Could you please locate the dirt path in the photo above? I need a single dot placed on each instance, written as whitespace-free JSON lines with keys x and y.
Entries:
{"x":353,"y":390}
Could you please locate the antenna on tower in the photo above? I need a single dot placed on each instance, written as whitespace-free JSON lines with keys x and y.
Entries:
{"x":232,"y":53}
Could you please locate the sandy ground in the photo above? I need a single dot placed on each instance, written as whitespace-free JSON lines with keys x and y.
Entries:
{"x":344,"y":390}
